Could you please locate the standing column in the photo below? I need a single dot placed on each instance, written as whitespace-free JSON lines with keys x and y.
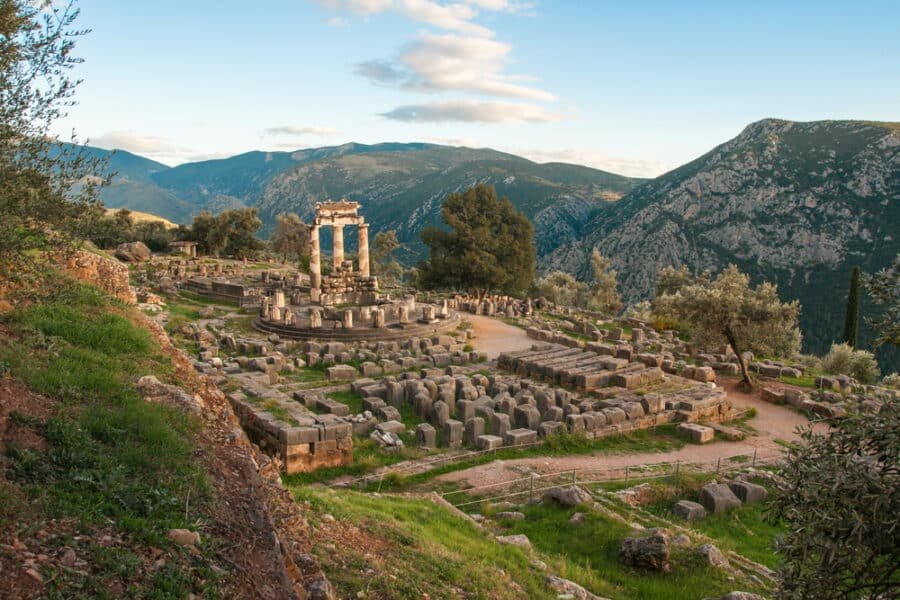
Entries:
{"x":315,"y":264}
{"x":338,"y":248}
{"x":364,"y":249}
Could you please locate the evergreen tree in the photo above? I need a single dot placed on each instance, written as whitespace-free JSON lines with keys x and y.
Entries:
{"x":489,"y":245}
{"x":851,"y":319}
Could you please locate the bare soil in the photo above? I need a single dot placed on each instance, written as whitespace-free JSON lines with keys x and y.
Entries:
{"x":493,"y":336}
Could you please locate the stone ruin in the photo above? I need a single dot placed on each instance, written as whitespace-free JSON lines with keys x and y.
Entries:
{"x":343,"y":285}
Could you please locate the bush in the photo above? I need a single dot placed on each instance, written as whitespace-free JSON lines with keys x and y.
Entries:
{"x":891,"y":381}
{"x":844,"y":360}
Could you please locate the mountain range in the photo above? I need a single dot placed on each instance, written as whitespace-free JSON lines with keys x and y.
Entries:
{"x":794,"y":203}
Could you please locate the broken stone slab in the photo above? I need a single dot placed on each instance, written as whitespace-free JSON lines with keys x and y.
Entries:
{"x":521,"y":540}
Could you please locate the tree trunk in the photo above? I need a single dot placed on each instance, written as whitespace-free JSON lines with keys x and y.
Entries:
{"x":734,"y":347}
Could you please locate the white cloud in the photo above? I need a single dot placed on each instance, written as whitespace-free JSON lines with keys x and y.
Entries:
{"x":137,"y":143}
{"x":449,"y":62}
{"x":297,"y":130}
{"x":630,"y":167}
{"x":471,"y":112}
{"x":338,"y":22}
{"x":359,"y":7}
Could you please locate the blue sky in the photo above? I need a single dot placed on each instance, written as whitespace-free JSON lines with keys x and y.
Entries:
{"x":632,"y":87}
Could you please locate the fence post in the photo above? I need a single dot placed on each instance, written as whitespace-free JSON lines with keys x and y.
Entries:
{"x":754,"y":458}
{"x":531,"y":493}
{"x":573,"y":477}
{"x":677,"y":465}
{"x":626,"y":476}
{"x":718,"y":464}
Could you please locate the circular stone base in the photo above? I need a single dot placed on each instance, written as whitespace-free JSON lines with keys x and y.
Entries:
{"x":393,"y":331}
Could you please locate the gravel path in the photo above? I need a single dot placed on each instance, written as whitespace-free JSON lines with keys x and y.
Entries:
{"x":493,"y":336}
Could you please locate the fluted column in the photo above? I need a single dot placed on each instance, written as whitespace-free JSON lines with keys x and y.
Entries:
{"x":315,"y":260}
{"x":338,"y":248}
{"x":364,"y":249}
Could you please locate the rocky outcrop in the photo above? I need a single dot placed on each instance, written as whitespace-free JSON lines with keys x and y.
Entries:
{"x":106,"y":273}
{"x":133,"y":252}
{"x":650,"y":552}
{"x":794,"y":203}
{"x":567,"y":497}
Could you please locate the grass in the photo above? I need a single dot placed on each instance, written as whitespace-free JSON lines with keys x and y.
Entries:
{"x":807,"y":380}
{"x":745,"y":530}
{"x":421,"y":548}
{"x":111,"y":458}
{"x":587,"y":553}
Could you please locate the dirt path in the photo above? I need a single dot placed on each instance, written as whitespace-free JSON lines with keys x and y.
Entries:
{"x":494,"y":336}
{"x":771,"y":423}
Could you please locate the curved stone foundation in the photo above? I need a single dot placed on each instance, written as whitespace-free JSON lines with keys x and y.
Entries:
{"x":394,"y":331}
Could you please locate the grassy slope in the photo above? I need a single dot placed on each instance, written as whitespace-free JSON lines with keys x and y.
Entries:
{"x":111,"y":458}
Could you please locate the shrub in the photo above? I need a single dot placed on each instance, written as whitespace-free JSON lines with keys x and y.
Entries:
{"x":891,"y":381}
{"x":844,"y":360}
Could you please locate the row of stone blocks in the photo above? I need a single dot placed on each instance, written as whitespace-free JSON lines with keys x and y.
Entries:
{"x":310,"y":443}
{"x":577,"y":368}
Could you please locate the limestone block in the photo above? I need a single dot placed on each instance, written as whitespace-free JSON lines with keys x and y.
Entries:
{"x":340,"y":373}
{"x":474,"y":429}
{"x":426,"y":436}
{"x":519,"y":437}
{"x":488,"y":442}
{"x":690,"y":511}
{"x":453,"y":433}
{"x":699,"y":434}
{"x":747,"y":492}
{"x":718,"y":498}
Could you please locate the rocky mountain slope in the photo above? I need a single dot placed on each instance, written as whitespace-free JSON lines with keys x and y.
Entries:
{"x":794,"y":203}
{"x":401,"y":186}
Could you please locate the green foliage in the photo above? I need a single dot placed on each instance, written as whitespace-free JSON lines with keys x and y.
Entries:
{"x":844,"y":360}
{"x":884,"y":290}
{"x":851,"y":319}
{"x":563,"y":288}
{"x":232,"y":232}
{"x":44,"y":186}
{"x":839,"y":500}
{"x":489,"y":245}
{"x":730,"y":310}
{"x":291,"y":237}
{"x":110,"y":455}
{"x":605,"y":296}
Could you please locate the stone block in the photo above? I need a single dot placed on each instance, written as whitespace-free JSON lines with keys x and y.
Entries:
{"x":340,"y":373}
{"x":391,"y":427}
{"x":690,"y":511}
{"x":426,"y":436}
{"x":527,"y":416}
{"x":488,"y":442}
{"x":699,"y":434}
{"x":519,"y":437}
{"x":474,"y":429}
{"x":548,"y":428}
{"x":499,"y":424}
{"x":371,"y":403}
{"x":747,"y":492}
{"x":614,"y":415}
{"x":575,"y":423}
{"x":387,"y":413}
{"x":718,"y":498}
{"x":453,"y":433}
{"x":440,"y":413}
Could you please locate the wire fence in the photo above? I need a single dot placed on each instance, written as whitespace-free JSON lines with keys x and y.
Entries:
{"x":534,"y":485}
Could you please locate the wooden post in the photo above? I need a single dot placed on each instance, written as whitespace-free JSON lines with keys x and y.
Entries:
{"x":754,"y":458}
{"x":626,"y":476}
{"x":531,"y":492}
{"x":718,"y":464}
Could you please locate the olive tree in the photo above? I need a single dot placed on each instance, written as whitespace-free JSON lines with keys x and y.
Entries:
{"x":605,"y":295}
{"x":291,"y":237}
{"x":44,"y":184}
{"x":838,"y":496}
{"x":884,"y":289}
{"x":729,"y":310}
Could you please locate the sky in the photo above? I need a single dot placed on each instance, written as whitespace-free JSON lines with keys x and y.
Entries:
{"x":635,"y":88}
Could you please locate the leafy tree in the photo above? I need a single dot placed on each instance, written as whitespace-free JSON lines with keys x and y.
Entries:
{"x":291,"y":237}
{"x":605,"y":296}
{"x":839,"y":499}
{"x":851,"y":318}
{"x":241,"y":225}
{"x":842,"y":359}
{"x":489,"y":245}
{"x":232,"y":232}
{"x":44,"y":186}
{"x":884,"y":290}
{"x":562,"y":288}
{"x":382,"y":263}
{"x":729,"y":310}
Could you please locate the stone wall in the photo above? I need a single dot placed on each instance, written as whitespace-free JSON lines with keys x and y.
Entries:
{"x":106,"y":273}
